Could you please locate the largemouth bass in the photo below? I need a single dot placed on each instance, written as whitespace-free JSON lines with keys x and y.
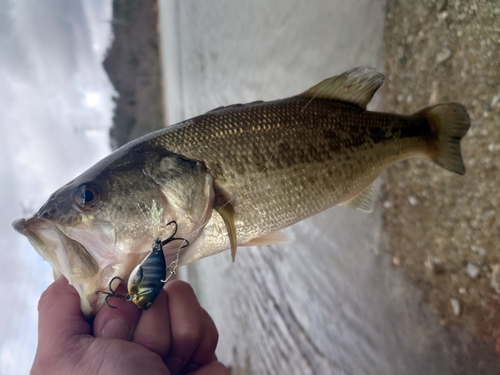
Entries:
{"x":234,"y":176}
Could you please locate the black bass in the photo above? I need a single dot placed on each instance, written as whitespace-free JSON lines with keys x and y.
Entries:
{"x":234,"y":176}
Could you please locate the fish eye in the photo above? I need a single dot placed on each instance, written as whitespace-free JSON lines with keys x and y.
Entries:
{"x":87,"y":196}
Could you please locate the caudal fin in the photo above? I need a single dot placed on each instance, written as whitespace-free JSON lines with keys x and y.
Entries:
{"x":450,"y":122}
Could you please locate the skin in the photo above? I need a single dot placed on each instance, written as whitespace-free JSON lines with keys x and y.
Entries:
{"x":175,"y":335}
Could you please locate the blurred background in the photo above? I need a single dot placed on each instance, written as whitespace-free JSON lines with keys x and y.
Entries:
{"x":410,"y":288}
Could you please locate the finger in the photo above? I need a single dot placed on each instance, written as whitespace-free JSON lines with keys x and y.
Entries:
{"x":60,"y":323}
{"x":205,"y":351}
{"x":213,"y":368}
{"x":186,"y":324}
{"x":153,"y":328}
{"x":59,"y":312}
{"x":118,"y":323}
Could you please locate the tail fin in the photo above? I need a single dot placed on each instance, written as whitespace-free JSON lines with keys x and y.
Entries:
{"x":450,"y":122}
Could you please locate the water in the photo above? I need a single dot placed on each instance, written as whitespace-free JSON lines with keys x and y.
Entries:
{"x":330,"y":302}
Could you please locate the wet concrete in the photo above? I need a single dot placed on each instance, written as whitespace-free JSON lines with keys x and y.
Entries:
{"x":330,"y":302}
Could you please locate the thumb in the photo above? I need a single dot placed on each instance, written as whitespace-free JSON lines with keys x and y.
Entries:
{"x":60,"y":318}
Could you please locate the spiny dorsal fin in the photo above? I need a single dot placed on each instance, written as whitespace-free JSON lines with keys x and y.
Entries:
{"x":226,"y":211}
{"x":363,"y":201}
{"x":269,"y":239}
{"x":232,"y":106}
{"x":355,"y":86}
{"x":216,"y":109}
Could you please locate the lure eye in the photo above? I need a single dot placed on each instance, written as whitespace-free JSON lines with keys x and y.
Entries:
{"x":87,"y":196}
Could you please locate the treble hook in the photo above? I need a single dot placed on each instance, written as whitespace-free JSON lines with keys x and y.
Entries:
{"x":113,"y":293}
{"x":173,"y":238}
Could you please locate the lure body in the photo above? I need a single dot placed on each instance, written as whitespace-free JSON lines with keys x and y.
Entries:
{"x":148,"y":278}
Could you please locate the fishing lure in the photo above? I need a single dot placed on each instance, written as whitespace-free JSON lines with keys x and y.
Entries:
{"x":148,"y":278}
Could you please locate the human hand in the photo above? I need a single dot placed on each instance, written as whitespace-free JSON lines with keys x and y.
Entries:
{"x":175,"y":335}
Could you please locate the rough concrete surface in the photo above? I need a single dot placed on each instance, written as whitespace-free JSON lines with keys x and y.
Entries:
{"x":443,"y":230}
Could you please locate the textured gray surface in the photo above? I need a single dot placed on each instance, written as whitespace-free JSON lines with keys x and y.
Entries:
{"x":329,"y":302}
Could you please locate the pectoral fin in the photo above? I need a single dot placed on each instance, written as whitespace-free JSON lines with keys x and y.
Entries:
{"x":226,"y":211}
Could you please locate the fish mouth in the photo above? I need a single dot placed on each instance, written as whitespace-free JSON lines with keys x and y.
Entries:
{"x":54,"y":245}
{"x":66,"y":256}
{"x":43,"y":236}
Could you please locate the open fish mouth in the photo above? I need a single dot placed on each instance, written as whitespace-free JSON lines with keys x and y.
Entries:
{"x":66,"y":256}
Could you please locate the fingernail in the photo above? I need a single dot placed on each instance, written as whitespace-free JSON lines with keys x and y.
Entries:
{"x":116,"y":329}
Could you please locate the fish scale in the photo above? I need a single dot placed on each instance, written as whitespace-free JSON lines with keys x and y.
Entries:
{"x":328,"y":138}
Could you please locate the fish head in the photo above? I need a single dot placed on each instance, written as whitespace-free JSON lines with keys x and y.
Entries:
{"x":104,"y":222}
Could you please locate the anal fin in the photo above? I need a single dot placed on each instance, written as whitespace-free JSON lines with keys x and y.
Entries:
{"x":269,"y":239}
{"x":364,"y":201}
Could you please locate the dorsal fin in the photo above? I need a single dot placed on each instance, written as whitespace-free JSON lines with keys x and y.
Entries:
{"x":233,"y":106}
{"x":218,"y":108}
{"x":355,"y":86}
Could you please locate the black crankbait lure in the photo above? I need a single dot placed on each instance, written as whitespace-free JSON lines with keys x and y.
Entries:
{"x":148,"y":277}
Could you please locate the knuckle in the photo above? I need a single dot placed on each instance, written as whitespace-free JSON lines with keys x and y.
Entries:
{"x":188,"y":334}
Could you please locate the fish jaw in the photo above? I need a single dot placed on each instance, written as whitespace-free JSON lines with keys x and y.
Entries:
{"x":66,"y":256}
{"x":86,"y":257}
